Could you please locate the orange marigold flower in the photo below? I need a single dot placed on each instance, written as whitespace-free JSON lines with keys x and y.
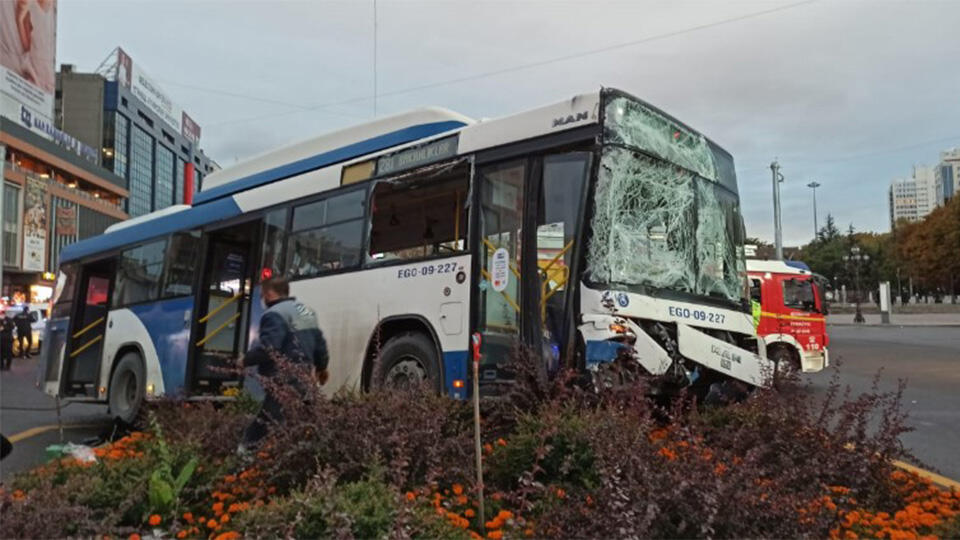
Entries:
{"x":561,"y":493}
{"x":134,"y":536}
{"x":528,"y":533}
{"x":505,"y":514}
{"x":457,"y":489}
{"x":229,"y":535}
{"x":230,"y":478}
{"x":850,"y":535}
{"x":411,"y":496}
{"x":212,"y":524}
{"x":667,"y":453}
{"x":658,"y":434}
{"x":488,"y":448}
{"x":182,"y":534}
{"x":154,"y":520}
{"x":469,"y":512}
{"x":495,"y":535}
{"x":218,"y":507}
{"x":501,"y":442}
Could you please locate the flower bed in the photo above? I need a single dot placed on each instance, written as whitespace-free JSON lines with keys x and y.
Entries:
{"x":559,"y":462}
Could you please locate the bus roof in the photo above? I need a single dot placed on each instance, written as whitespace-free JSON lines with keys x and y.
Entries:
{"x":315,"y":165}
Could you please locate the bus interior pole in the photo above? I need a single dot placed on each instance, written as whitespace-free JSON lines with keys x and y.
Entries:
{"x":777,"y":232}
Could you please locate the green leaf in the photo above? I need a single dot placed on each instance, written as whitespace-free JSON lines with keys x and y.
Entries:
{"x":160,"y":493}
{"x":185,"y":474}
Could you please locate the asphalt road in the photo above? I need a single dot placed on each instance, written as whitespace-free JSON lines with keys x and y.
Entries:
{"x":927,"y":357}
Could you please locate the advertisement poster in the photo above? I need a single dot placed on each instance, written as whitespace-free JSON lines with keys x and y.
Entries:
{"x":66,"y":220}
{"x":35,"y":226}
{"x":133,"y":77}
{"x":28,"y":39}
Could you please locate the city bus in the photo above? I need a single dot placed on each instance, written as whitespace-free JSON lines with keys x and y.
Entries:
{"x":792,"y":326}
{"x":579,"y":229}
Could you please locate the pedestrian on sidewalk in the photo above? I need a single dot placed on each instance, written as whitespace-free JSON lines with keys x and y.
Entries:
{"x":288,"y":328}
{"x":6,"y":341}
{"x":24,"y":331}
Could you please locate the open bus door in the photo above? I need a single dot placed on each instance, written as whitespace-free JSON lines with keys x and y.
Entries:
{"x":530,"y":216}
{"x":84,"y":340}
{"x":223,"y":306}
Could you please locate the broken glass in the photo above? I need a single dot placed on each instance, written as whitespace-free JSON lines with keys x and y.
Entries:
{"x":719,"y":239}
{"x":644,"y":229}
{"x":631,"y":123}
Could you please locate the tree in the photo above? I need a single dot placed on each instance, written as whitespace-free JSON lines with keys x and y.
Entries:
{"x":829,"y":231}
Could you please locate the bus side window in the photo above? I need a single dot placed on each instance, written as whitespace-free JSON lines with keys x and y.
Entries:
{"x":64,"y":292}
{"x":422,"y":215}
{"x":138,"y":274}
{"x":326,"y":235}
{"x":274,"y":235}
{"x":182,"y":260}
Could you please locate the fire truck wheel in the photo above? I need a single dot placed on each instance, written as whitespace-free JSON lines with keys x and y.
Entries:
{"x":786,"y":365}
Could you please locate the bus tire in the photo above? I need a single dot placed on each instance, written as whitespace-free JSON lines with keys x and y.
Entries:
{"x":127,"y":388}
{"x":407,"y":361}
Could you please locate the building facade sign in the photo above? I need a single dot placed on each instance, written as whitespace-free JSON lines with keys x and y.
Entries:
{"x":45,"y":128}
{"x":35,"y":225}
{"x":28,"y":38}
{"x":135,"y":79}
{"x":66,"y":221}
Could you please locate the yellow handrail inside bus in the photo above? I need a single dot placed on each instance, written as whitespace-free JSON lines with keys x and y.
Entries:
{"x":218,"y":329}
{"x":86,"y":346}
{"x":554,"y":260}
{"x":504,"y":293}
{"x":206,"y":317}
{"x":88,"y":327}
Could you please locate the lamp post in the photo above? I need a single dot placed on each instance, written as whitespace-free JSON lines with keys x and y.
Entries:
{"x":777,"y":231}
{"x":814,"y":185}
{"x":856,"y":258}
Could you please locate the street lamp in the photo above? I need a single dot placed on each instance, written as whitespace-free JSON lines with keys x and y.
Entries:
{"x":856,"y":258}
{"x":814,"y":185}
{"x":777,"y":230}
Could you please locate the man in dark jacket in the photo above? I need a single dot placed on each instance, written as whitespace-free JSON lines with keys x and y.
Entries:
{"x":6,"y":341}
{"x":24,"y":331}
{"x":288,"y":328}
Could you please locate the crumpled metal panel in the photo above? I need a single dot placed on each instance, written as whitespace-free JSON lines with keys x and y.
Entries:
{"x":643,"y":223}
{"x":630,"y":123}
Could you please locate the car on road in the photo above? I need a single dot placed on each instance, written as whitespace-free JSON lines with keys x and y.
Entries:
{"x":38,"y":321}
{"x":792,"y":323}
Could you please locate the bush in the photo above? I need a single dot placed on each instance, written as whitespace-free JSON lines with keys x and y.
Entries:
{"x":561,"y":460}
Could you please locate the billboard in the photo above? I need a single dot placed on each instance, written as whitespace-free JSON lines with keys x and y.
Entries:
{"x":35,"y":225}
{"x":28,"y":42}
{"x":134,"y":78}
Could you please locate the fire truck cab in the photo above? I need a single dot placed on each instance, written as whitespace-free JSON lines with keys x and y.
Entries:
{"x":792,"y":324}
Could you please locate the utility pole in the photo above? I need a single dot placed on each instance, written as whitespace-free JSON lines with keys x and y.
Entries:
{"x":814,"y":185}
{"x":856,"y":257}
{"x":777,"y":230}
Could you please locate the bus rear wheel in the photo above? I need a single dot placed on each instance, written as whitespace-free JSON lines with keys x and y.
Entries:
{"x":407,"y":362}
{"x":127,"y":388}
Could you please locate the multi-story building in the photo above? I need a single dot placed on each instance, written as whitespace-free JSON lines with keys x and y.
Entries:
{"x":52,"y":196}
{"x":903,"y":201}
{"x":915,"y":197}
{"x":948,"y":173}
{"x":142,"y":135}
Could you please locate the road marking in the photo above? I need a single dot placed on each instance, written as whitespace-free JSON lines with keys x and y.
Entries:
{"x":34,"y":431}
{"x":932,"y":476}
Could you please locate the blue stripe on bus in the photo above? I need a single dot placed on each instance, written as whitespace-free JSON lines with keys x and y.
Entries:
{"x":344,"y":153}
{"x":168,"y":324}
{"x":154,"y":228}
{"x":455,"y":368}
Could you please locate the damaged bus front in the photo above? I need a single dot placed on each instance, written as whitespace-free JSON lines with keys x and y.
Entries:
{"x":664,"y":271}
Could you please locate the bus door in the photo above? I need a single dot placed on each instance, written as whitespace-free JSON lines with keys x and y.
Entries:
{"x":87,"y":328}
{"x":529,"y":220}
{"x":223,"y":300}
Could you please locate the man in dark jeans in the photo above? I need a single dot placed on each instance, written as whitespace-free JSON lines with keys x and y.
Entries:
{"x":6,"y":341}
{"x":288,"y":328}
{"x":24,"y":331}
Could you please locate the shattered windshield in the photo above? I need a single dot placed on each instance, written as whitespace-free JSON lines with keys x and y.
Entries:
{"x":669,"y":221}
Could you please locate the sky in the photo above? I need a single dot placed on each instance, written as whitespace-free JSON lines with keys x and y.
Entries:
{"x":848,"y":93}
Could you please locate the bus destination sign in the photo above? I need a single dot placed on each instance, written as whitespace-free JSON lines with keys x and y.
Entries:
{"x":421,"y":155}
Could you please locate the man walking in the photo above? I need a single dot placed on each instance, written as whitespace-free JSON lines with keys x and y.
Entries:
{"x":24,"y":331}
{"x":6,"y":341}
{"x":288,"y":328}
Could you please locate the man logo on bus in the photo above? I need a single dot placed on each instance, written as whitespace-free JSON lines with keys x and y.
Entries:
{"x":569,"y":119}
{"x":623,"y":300}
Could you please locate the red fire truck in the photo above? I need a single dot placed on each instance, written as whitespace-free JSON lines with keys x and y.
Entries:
{"x":792,"y":322}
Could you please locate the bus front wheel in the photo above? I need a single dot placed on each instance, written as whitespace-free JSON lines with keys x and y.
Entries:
{"x":127,"y":387}
{"x":407,"y":361}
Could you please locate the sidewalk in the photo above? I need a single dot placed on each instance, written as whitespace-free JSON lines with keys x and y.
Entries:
{"x":898,"y":319}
